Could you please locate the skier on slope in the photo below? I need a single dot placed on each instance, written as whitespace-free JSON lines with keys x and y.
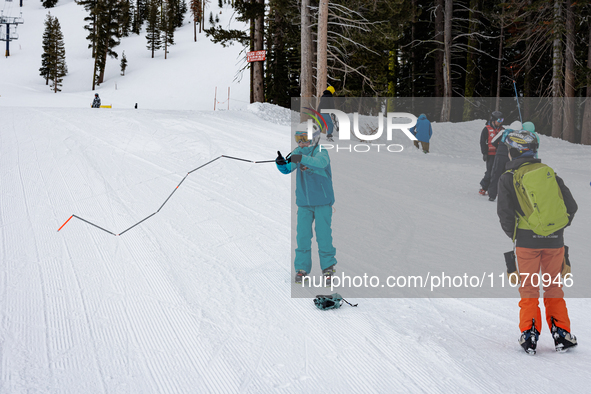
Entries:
{"x":314,"y":198}
{"x":96,"y":103}
{"x":538,"y":237}
{"x":327,"y":102}
{"x":491,"y":129}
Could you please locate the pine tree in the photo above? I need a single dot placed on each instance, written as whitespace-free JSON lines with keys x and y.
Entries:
{"x":125,"y":18}
{"x":58,"y":68}
{"x":196,"y":12}
{"x":153,"y":28}
{"x":123,"y":63}
{"x":168,"y":25}
{"x":180,"y":9}
{"x":49,"y":3}
{"x":45,"y":56}
{"x":107,"y":36}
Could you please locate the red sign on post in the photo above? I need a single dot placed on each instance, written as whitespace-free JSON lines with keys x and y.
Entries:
{"x":256,"y":56}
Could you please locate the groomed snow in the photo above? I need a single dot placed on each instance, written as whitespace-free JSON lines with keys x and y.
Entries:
{"x":197,"y":298}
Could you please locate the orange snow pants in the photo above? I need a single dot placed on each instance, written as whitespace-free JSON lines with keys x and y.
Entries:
{"x":530,"y":261}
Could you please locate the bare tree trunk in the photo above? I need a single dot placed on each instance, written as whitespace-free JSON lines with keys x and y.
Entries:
{"x":556,"y":72}
{"x":586,"y":129}
{"x":527,"y":79}
{"x":412,"y":54}
{"x":439,"y":26}
{"x":500,"y":62}
{"x":447,"y":88}
{"x":259,"y":92}
{"x":568,"y":125}
{"x":321,"y":73}
{"x":306,"y":76}
{"x":470,"y":79}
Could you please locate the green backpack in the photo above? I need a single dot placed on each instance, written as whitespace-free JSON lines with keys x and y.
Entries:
{"x":540,"y":199}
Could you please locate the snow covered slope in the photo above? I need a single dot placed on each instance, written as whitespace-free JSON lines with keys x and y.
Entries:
{"x":186,"y":80}
{"x":197,"y":298}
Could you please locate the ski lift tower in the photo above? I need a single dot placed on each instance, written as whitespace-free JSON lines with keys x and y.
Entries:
{"x":5,"y":36}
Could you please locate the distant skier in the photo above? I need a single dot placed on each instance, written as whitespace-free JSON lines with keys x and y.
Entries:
{"x":96,"y":103}
{"x":491,"y":129}
{"x":314,"y":198}
{"x":327,"y":102}
{"x":423,"y":131}
{"x":538,"y":237}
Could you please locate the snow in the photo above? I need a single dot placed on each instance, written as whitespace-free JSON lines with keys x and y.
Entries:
{"x":197,"y":298}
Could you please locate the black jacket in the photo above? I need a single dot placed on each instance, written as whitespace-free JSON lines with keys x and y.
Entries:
{"x":508,"y":205}
{"x":326,"y":101}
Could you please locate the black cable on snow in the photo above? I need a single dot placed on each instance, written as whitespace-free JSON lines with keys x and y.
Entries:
{"x":175,"y":189}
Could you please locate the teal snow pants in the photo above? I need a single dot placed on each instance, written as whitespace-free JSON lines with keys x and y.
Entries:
{"x":322,"y":217}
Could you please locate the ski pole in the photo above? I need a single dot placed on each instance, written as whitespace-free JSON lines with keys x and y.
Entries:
{"x":516,"y":96}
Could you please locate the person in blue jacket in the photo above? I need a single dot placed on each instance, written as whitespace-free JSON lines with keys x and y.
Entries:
{"x":423,"y":131}
{"x":314,"y":198}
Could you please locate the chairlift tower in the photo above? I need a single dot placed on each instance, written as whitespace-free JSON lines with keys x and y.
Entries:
{"x":5,"y":36}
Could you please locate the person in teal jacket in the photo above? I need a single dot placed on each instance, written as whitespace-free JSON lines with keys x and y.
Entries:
{"x":314,"y":198}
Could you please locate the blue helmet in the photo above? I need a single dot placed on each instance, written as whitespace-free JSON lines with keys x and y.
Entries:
{"x":521,"y":143}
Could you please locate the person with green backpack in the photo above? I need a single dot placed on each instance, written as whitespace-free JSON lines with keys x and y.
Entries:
{"x":534,"y":206}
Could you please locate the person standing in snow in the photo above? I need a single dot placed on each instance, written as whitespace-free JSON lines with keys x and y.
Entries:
{"x":423,"y":131}
{"x":327,"y":102}
{"x":96,"y":103}
{"x":535,"y":249}
{"x":314,"y":198}
{"x":491,"y":129}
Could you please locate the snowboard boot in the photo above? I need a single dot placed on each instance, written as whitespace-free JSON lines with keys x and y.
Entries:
{"x":327,"y":274}
{"x":529,"y":339}
{"x":563,"y":340}
{"x":301,"y":276}
{"x":329,"y":138}
{"x":482,"y":192}
{"x":492,"y":199}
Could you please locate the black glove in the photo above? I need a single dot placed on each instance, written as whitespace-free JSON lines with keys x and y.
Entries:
{"x":296,"y":158}
{"x":280,"y":160}
{"x":485,"y":157}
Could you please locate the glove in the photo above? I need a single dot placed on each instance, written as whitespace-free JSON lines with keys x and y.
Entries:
{"x":514,"y":277}
{"x":485,"y":157}
{"x":565,"y":263}
{"x":280,"y":160}
{"x":512,"y":272}
{"x":296,"y":158}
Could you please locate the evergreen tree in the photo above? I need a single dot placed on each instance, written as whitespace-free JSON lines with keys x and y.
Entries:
{"x":49,"y":3}
{"x":107,"y":36}
{"x":91,"y":7}
{"x":125,"y":18}
{"x":45,"y":56}
{"x":168,"y":25}
{"x":153,"y":28}
{"x":53,"y":60}
{"x":180,"y":9}
{"x":196,"y":12}
{"x":57,"y":64}
{"x":123,"y":63}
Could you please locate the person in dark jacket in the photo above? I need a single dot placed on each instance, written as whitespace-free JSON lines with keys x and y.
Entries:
{"x":423,"y":131}
{"x":491,"y":129}
{"x":96,"y":103}
{"x":535,"y":252}
{"x":327,"y":102}
{"x":314,"y":198}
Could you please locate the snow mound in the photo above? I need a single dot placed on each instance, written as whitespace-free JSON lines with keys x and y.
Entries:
{"x":271,"y":113}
